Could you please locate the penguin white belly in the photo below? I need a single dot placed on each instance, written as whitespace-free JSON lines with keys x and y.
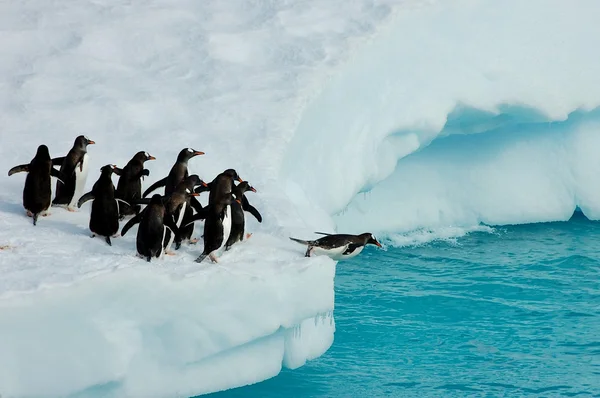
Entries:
{"x":162,"y":242}
{"x":333,"y":253}
{"x":226,"y":226}
{"x":81,"y":173}
{"x":355,"y":253}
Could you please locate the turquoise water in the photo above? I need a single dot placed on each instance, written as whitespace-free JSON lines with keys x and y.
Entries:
{"x":510,"y":313}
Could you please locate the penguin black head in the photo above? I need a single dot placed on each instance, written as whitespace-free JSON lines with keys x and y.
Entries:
{"x":156,"y":200}
{"x":108,"y":169}
{"x":82,"y":142}
{"x":370,"y":239}
{"x":142,"y":157}
{"x":42,"y":152}
{"x":193,"y":181}
{"x":233,"y":174}
{"x":244,"y":187}
{"x":187,"y":153}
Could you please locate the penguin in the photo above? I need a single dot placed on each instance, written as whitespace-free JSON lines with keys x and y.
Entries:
{"x":238,"y":219}
{"x":338,"y":246}
{"x":221,"y":185}
{"x":37,"y":192}
{"x":104,"y":218}
{"x":75,"y":167}
{"x":178,"y":172}
{"x":129,"y":186}
{"x":217,"y":227}
{"x":179,"y":207}
{"x":151,"y":231}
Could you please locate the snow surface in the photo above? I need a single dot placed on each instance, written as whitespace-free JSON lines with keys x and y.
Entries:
{"x":447,"y":113}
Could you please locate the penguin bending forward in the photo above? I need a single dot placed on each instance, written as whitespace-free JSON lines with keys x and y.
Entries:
{"x":104,"y":217}
{"x":75,"y":168}
{"x":37,"y":191}
{"x":151,"y":231}
{"x":238,"y":219}
{"x":129,"y":186}
{"x":338,"y":246}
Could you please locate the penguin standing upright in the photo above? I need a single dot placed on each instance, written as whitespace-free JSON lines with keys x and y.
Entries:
{"x":37,"y":192}
{"x":177,"y":206}
{"x":217,"y":226}
{"x":221,"y":185}
{"x":104,"y":218}
{"x":238,"y":218}
{"x":129,"y":187}
{"x":151,"y":231}
{"x":185,"y":213}
{"x":178,"y":172}
{"x":75,"y":168}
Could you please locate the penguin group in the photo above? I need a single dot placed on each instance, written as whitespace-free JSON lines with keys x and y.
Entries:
{"x":165,"y":220}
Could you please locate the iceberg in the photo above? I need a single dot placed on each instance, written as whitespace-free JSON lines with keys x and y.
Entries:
{"x":393,"y":116}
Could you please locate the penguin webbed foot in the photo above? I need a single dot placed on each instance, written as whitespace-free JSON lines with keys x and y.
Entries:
{"x":308,"y":250}
{"x":213,"y":258}
{"x":200,"y":258}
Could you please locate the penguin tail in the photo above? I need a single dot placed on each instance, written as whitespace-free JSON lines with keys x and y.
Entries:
{"x":35,"y":218}
{"x":304,"y":242}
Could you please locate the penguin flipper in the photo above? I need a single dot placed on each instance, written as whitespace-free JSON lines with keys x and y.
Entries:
{"x":87,"y":197}
{"x":134,"y":220}
{"x":203,"y":188}
{"x":118,"y":207}
{"x":156,"y":185}
{"x":144,"y":173}
{"x":250,"y":209}
{"x":117,"y":171}
{"x":58,"y":174}
{"x":323,"y":233}
{"x":18,"y":169}
{"x":58,"y":161}
{"x":196,"y":204}
{"x":196,"y":217}
{"x":304,"y":242}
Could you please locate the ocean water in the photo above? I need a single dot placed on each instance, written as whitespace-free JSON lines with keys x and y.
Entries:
{"x":511,"y":312}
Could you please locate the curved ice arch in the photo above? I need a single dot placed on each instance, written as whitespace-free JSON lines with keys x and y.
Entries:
{"x":466,"y":67}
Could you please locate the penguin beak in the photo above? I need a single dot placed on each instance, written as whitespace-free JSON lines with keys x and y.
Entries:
{"x":195,"y":194}
{"x":90,"y":142}
{"x":204,"y":184}
{"x":198,"y":153}
{"x":113,"y":166}
{"x":377,"y":243}
{"x":239,"y":201}
{"x":252,"y":189}
{"x":151,"y":157}
{"x":240,"y":180}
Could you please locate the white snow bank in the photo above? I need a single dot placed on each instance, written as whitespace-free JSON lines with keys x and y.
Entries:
{"x":228,"y":78}
{"x":507,"y":69}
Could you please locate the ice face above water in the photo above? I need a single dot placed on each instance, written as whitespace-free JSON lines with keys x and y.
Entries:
{"x":520,"y":73}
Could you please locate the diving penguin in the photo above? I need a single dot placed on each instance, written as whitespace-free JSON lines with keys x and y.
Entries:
{"x":37,"y":192}
{"x":75,"y":168}
{"x":129,"y":186}
{"x":104,"y":218}
{"x":338,"y":246}
{"x":238,"y":219}
{"x":151,"y":231}
{"x":178,"y":172}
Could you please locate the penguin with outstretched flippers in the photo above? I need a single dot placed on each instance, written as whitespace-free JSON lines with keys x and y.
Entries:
{"x":104,"y":217}
{"x":37,"y":192}
{"x":178,"y":173}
